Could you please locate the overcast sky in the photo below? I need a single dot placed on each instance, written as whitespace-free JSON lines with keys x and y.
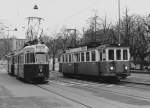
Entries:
{"x":69,"y":13}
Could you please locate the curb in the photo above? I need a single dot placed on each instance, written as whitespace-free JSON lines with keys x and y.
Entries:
{"x":142,"y":83}
{"x":140,"y":72}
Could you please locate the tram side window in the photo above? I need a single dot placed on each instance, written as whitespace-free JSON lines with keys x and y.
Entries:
{"x":32,"y":58}
{"x":87,"y":56}
{"x":111,"y":54}
{"x":66,"y":58}
{"x":18,"y":59}
{"x":69,"y":57}
{"x":118,"y":54}
{"x":13,"y":60}
{"x":76,"y":57}
{"x":100,"y":56}
{"x":125,"y":55}
{"x":103,"y":51}
{"x":21,"y":59}
{"x":93,"y":56}
{"x":63,"y":58}
{"x":27,"y":58}
{"x":82,"y":56}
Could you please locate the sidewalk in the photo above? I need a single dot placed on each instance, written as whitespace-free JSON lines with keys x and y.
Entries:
{"x":139,"y":78}
{"x":141,"y":71}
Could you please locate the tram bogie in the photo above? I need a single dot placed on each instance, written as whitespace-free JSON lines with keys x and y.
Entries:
{"x":101,"y":61}
{"x":30,"y":63}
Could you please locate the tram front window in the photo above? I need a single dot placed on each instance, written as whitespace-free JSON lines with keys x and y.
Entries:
{"x":41,"y":58}
{"x":118,"y":54}
{"x":125,"y":55}
{"x":111,"y":54}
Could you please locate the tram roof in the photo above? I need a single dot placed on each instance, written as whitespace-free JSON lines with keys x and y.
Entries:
{"x":33,"y":48}
{"x":36,"y":48}
{"x":97,"y":44}
{"x":94,"y":46}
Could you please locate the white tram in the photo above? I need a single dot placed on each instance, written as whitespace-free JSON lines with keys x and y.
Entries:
{"x":101,"y":61}
{"x":30,"y":63}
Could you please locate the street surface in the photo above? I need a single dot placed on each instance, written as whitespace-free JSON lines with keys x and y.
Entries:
{"x":63,"y":92}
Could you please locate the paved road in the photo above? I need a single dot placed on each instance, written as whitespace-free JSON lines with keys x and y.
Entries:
{"x":16,"y":94}
{"x":69,"y":93}
{"x":126,"y":94}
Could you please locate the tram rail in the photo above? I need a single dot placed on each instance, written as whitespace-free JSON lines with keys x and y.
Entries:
{"x":71,"y":82}
{"x":102,"y":87}
{"x":58,"y":94}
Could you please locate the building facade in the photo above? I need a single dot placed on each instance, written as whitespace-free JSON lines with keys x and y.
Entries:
{"x":10,"y":45}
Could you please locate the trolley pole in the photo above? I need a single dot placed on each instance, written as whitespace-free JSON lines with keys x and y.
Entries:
{"x":119,"y":21}
{"x":75,"y":36}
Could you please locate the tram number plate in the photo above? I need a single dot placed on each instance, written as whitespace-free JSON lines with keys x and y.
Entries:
{"x":69,"y":64}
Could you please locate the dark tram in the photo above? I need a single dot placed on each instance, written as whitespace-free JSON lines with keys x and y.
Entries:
{"x":103,"y":61}
{"x":30,"y":63}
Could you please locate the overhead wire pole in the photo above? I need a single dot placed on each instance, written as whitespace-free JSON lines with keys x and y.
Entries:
{"x":95,"y":26}
{"x":119,"y":20}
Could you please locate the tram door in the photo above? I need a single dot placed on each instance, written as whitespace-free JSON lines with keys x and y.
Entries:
{"x":12,"y":66}
{"x":102,"y":59}
{"x":16,"y":66}
{"x":68,"y":65}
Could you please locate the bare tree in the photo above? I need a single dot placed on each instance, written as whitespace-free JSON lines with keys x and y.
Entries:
{"x":54,"y":45}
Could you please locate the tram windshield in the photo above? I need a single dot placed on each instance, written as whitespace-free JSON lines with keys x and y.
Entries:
{"x":118,"y":54}
{"x":41,"y":58}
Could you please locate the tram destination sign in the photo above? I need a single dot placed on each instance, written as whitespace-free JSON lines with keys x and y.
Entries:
{"x":77,"y":49}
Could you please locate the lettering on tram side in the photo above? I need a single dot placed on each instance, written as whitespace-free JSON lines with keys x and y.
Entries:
{"x":77,"y":49}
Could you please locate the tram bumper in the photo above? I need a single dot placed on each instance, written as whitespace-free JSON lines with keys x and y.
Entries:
{"x":120,"y":75}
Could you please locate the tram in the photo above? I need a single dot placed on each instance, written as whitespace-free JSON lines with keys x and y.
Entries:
{"x":103,"y":61}
{"x":10,"y":64}
{"x":30,"y":63}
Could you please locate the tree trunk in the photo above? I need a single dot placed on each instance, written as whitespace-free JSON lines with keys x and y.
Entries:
{"x":142,"y":63}
{"x":53,"y":64}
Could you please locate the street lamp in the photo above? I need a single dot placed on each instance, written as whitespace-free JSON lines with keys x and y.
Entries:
{"x":35,"y":7}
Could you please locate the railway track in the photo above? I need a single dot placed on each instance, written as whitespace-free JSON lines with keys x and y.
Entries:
{"x":137,"y":85}
{"x":91,"y":86}
{"x":61,"y":95}
{"x":77,"y":82}
{"x":85,"y":82}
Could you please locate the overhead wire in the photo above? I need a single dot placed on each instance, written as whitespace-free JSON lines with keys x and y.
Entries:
{"x":76,"y":14}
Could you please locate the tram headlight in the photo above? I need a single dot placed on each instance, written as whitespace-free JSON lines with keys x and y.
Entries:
{"x":126,"y":67}
{"x":40,"y":68}
{"x":111,"y":68}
